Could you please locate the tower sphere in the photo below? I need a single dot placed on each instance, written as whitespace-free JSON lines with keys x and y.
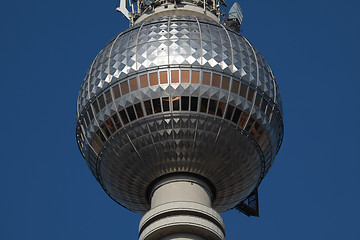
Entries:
{"x":179,"y":94}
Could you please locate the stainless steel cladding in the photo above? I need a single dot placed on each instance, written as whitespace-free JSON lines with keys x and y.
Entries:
{"x":179,"y":94}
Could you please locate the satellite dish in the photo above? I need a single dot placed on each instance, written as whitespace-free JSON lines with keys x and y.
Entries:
{"x":235,"y":13}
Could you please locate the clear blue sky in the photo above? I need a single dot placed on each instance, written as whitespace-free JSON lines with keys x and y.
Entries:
{"x":47,"y":191}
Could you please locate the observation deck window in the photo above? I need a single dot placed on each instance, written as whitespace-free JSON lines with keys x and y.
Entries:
{"x":175,"y":101}
{"x":184,"y":103}
{"x":243,"y":119}
{"x":131,"y":113}
{"x":203,"y":105}
{"x":257,"y":100}
{"x":206,"y":78}
{"x":236,"y":116}
{"x":116,"y":121}
{"x":124,"y":117}
{"x":148,"y":107}
{"x":110,"y":126}
{"x":243,"y":90}
{"x":139,"y":111}
{"x":221,"y":109}
{"x":212,"y":106}
{"x":156,"y":105}
{"x":251,"y":93}
{"x":108,"y":97}
{"x":165,"y":103}
{"x":194,"y":104}
{"x":225,"y":83}
{"x":229,"y":112}
{"x":216,"y":80}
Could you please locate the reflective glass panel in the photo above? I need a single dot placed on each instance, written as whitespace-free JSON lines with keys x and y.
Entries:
{"x":185,"y":76}
{"x":153,"y":77}
{"x":124,"y":87}
{"x":175,"y":76}
{"x":133,"y":84}
{"x":163,"y":77}
{"x":195,"y":76}
{"x":116,"y":91}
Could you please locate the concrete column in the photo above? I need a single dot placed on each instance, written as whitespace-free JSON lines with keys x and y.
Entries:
{"x":181,"y":210}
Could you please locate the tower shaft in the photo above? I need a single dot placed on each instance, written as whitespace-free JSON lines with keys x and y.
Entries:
{"x":181,"y":210}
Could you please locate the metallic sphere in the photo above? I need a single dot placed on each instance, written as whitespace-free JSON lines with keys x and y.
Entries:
{"x":179,"y":94}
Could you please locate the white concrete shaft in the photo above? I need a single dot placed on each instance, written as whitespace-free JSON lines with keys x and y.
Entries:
{"x":181,"y":189}
{"x":181,"y":210}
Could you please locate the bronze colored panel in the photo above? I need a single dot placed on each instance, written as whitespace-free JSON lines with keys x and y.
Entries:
{"x":124,"y":87}
{"x":175,"y":76}
{"x":195,"y":76}
{"x":143,"y":81}
{"x":206,"y":78}
{"x":235,"y":87}
{"x":225,"y":83}
{"x":116,"y":91}
{"x":153,"y":77}
{"x":216,"y":80}
{"x":163,"y":77}
{"x":133,"y":84}
{"x":185,"y":76}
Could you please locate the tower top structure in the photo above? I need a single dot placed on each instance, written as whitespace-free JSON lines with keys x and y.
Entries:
{"x":179,"y":115}
{"x":142,"y":10}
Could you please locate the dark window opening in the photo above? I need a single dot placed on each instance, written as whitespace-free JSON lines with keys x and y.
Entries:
{"x":101,"y":102}
{"x":257,"y":100}
{"x":166,"y":105}
{"x":229,"y":112}
{"x":96,"y":107}
{"x":263,"y":105}
{"x":185,"y":103}
{"x":101,"y":136}
{"x":110,"y":126}
{"x":249,"y":124}
{"x":203,"y":105}
{"x":139,"y":110}
{"x":131,"y":113}
{"x":221,"y":109}
{"x":236,"y":116}
{"x":108,"y":97}
{"x":175,"y":101}
{"x":212,"y":106}
{"x":157,"y":105}
{"x":148,"y":107}
{"x":259,"y":133}
{"x":194,"y":103}
{"x":123,"y":116}
{"x":243,"y":119}
{"x":91,"y":116}
{"x":116,"y":121}
{"x":254,"y":129}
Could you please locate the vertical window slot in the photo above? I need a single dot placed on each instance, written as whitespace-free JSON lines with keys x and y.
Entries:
{"x":139,"y":110}
{"x":236,"y":116}
{"x":258,"y":100}
{"x":157,"y":105}
{"x":165,"y":103}
{"x":96,"y":107}
{"x":175,"y":102}
{"x":101,"y":102}
{"x":243,"y":119}
{"x":250,"y":96}
{"x":148,"y":107}
{"x":124,"y":117}
{"x":185,"y":103}
{"x":116,"y":121}
{"x":229,"y":112}
{"x":194,"y":103}
{"x":110,"y":126}
{"x":221,"y":109}
{"x":203,"y":105}
{"x":225,"y":83}
{"x":131,"y":113}
{"x":212,"y":106}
